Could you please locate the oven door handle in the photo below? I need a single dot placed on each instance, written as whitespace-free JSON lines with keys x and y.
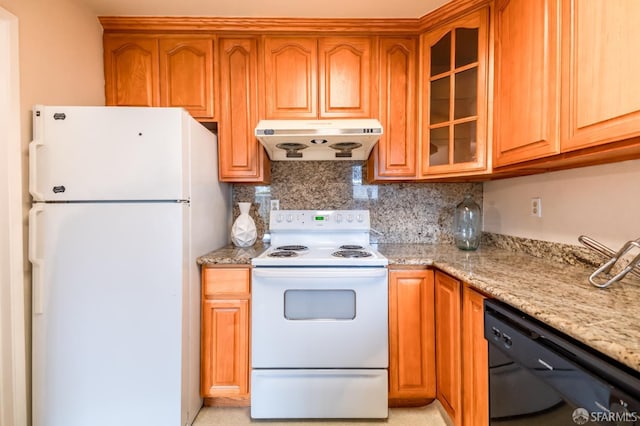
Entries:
{"x":320,"y":272}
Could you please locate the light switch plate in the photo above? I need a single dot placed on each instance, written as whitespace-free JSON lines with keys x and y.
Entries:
{"x":275,"y":204}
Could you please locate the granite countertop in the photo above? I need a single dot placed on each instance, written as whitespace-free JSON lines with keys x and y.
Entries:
{"x":232,"y":255}
{"x":558,"y":294}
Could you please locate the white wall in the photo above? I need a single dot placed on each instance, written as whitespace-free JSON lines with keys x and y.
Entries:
{"x":602,"y":202}
{"x":60,"y":62}
{"x":13,"y":386}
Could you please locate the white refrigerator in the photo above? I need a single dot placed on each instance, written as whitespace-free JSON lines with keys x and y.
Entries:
{"x":124,"y":201}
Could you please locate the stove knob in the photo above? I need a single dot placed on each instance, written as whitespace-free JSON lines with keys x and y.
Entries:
{"x":280,"y":218}
{"x":359,"y":218}
{"x":338,"y":218}
{"x":289,"y":217}
{"x":349,"y":218}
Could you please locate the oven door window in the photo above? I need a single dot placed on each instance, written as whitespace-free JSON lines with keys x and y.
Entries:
{"x":304,"y":305}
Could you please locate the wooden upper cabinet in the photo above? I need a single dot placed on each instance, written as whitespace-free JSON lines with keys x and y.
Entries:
{"x":455,"y":96}
{"x":290,"y":75}
{"x":395,"y":153}
{"x":345,"y":69}
{"x":411,"y":337}
{"x":186,"y":75}
{"x":527,"y":80}
{"x":310,"y":77}
{"x":131,"y":71}
{"x":241,"y":156}
{"x":601,"y":64}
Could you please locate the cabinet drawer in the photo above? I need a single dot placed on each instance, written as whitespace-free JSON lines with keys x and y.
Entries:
{"x":225,"y":280}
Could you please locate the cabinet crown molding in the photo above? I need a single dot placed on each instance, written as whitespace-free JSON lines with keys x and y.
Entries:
{"x":391,"y":26}
{"x":178,"y":24}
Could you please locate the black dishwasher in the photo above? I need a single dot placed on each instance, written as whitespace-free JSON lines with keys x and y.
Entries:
{"x":539,"y":376}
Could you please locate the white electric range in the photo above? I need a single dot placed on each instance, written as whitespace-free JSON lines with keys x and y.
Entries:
{"x":319,"y":325}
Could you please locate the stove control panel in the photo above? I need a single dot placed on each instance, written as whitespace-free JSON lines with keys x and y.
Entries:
{"x":319,"y":220}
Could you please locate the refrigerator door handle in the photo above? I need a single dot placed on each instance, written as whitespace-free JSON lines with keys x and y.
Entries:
{"x":33,"y":178}
{"x":37,"y":263}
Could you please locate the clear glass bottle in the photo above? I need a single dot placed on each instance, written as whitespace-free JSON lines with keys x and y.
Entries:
{"x":467,"y":224}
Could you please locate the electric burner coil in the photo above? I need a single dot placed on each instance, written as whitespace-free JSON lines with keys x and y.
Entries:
{"x":351,"y":253}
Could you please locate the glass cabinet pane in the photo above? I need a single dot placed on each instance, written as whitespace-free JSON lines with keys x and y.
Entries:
{"x":439,"y":146}
{"x":466,"y":46}
{"x":466,"y":94}
{"x":440,"y":100}
{"x":441,"y":55}
{"x":455,"y":107}
{"x":464,"y":142}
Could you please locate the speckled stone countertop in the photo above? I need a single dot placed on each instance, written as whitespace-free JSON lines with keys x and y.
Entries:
{"x":232,"y":255}
{"x":558,"y":294}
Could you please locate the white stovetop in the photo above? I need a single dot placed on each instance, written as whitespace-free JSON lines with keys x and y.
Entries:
{"x":323,"y":232}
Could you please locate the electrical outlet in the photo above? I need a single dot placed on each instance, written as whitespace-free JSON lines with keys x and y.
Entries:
{"x":275,"y":204}
{"x":536,"y":207}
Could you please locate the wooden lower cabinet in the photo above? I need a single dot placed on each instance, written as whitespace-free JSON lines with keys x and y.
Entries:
{"x":461,"y":352}
{"x":411,"y":338}
{"x":225,"y":360}
{"x":475,"y":353}
{"x":448,"y":344}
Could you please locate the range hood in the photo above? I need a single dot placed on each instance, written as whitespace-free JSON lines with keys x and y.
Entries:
{"x":309,"y":140}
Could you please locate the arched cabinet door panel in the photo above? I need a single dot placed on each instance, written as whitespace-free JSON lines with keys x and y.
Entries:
{"x":131,"y":71}
{"x":345,"y":70}
{"x":395,"y":154}
{"x":241,"y":156}
{"x":290,"y":68}
{"x":186,"y":75}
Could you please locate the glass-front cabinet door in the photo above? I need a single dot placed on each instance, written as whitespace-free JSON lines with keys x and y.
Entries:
{"x":454,"y":121}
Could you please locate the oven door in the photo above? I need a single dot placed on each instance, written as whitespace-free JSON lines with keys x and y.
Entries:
{"x":319,"y":318}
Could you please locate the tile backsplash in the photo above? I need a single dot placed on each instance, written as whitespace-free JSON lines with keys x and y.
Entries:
{"x":400,"y":212}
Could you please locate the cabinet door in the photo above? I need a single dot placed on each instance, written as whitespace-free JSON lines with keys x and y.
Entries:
{"x":345,"y":69}
{"x":395,"y":152}
{"x":448,"y":338}
{"x":601,"y":97}
{"x":475,"y":353}
{"x":411,"y":337}
{"x":454,"y":138}
{"x":241,"y":157}
{"x":225,"y":335}
{"x":186,"y":75}
{"x":225,"y":348}
{"x":131,"y":71}
{"x":290,"y":77}
{"x":527,"y":76}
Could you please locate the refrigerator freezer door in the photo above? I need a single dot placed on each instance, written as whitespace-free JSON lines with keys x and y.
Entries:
{"x":108,"y":339}
{"x":109,"y":153}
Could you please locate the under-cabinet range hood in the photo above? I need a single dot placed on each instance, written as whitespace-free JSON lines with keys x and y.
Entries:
{"x":308,"y":140}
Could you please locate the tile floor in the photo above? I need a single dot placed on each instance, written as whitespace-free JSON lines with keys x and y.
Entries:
{"x":429,"y":415}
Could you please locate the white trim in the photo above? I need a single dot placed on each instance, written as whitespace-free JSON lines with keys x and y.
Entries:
{"x":13,"y":398}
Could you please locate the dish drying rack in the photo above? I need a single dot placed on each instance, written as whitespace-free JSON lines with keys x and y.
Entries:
{"x":602,"y":277}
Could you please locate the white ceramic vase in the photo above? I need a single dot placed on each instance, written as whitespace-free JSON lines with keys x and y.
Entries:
{"x":243,"y":231}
